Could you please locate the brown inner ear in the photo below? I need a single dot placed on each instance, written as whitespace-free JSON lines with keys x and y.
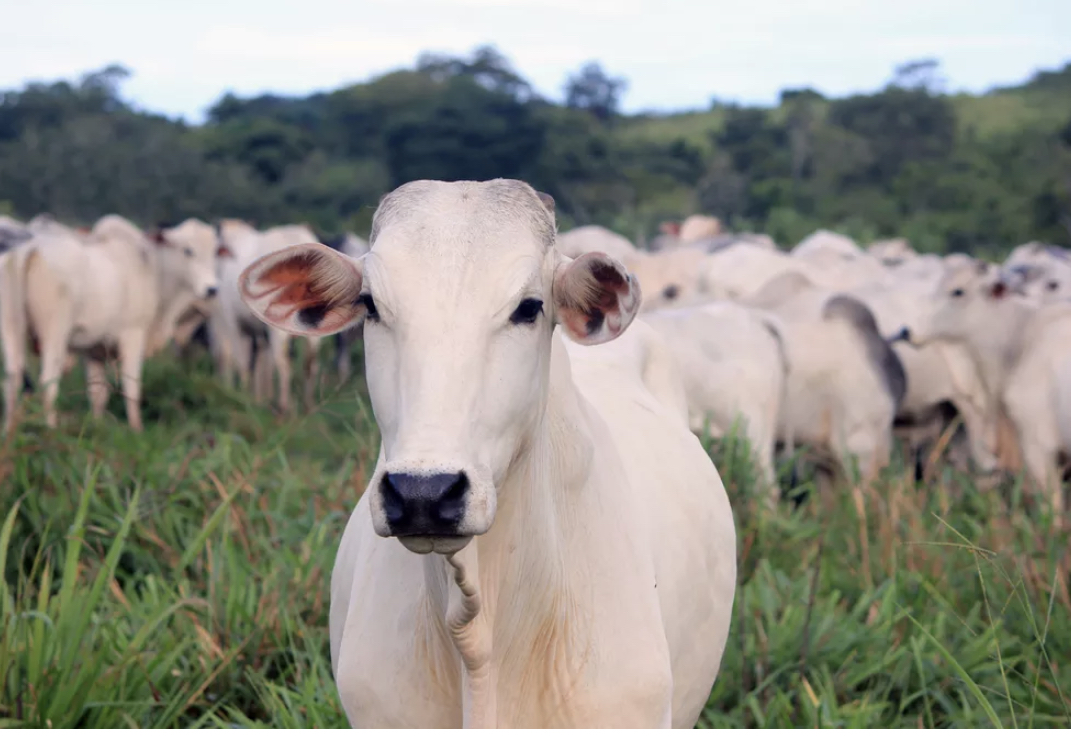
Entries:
{"x":292,"y":278}
{"x":607,"y":283}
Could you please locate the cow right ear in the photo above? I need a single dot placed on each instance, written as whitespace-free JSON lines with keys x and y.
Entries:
{"x":304,"y":290}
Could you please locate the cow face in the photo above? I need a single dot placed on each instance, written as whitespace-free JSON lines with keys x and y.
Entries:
{"x":194,"y":247}
{"x":963,"y":303}
{"x":459,"y":296}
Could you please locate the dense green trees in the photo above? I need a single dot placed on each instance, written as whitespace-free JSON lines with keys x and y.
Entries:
{"x":949,"y":172}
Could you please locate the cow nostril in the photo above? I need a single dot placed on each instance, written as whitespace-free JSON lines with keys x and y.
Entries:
{"x":451,"y":506}
{"x":211,"y":291}
{"x":393,"y":503}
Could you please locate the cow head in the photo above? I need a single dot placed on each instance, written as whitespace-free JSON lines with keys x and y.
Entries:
{"x":963,"y":303}
{"x":195,"y":247}
{"x":459,"y":294}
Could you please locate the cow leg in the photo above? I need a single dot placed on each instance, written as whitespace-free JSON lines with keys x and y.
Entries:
{"x":761,"y":440}
{"x":97,"y":386}
{"x":343,"y":360}
{"x":1040,"y":461}
{"x":15,"y":365}
{"x":53,"y":361}
{"x":131,"y":358}
{"x":13,"y":341}
{"x":311,"y":371}
{"x":262,"y":370}
{"x":280,"y":353}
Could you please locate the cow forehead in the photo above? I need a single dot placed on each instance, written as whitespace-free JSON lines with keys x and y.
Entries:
{"x":194,"y":234}
{"x":454,"y":280}
{"x":475,"y":218}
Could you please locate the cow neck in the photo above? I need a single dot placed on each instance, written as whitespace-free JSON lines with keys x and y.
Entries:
{"x":998,"y":349}
{"x":511,"y":606}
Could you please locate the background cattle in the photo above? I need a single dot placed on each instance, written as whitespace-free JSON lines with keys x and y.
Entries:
{"x":93,"y":296}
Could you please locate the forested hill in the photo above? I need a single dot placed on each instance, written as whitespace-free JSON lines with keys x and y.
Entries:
{"x":976,"y":173}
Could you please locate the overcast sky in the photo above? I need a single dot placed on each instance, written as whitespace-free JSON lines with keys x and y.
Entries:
{"x":675,"y":53}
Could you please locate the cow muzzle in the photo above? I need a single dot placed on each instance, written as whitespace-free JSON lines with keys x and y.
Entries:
{"x":431,"y":505}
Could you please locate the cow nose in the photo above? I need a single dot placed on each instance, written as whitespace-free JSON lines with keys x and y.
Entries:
{"x":210,"y":292}
{"x":424,"y":505}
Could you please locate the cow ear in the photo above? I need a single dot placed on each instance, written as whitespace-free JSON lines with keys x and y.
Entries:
{"x":547,"y":200}
{"x":595,"y":298}
{"x":304,"y":290}
{"x":222,"y":251}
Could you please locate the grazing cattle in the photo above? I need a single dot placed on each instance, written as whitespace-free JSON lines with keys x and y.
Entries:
{"x":188,"y":281}
{"x":668,"y":236}
{"x":669,"y":277}
{"x":595,"y":239}
{"x":241,"y":343}
{"x":825,"y":246}
{"x":845,"y":383}
{"x":733,"y":366}
{"x":936,"y":375}
{"x":548,"y":497}
{"x":742,"y":269}
{"x":1040,"y":272}
{"x":90,"y":296}
{"x":892,"y":252}
{"x":12,"y":234}
{"x":699,"y":227}
{"x":1021,"y":352}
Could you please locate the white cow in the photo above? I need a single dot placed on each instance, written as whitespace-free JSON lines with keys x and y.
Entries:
{"x":188,"y":281}
{"x":670,"y":277}
{"x":699,"y":227}
{"x":824,"y":246}
{"x":595,"y":239}
{"x":1021,"y":352}
{"x":88,"y":296}
{"x":1040,"y":272}
{"x":733,"y":366}
{"x":935,"y":374}
{"x":584,"y":562}
{"x":893,"y":251}
{"x":237,"y":336}
{"x":845,"y":383}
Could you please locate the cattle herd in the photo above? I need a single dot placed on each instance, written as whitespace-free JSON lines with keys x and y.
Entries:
{"x":539,"y":393}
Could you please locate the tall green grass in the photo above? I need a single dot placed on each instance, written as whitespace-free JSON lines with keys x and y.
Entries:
{"x":181,"y":577}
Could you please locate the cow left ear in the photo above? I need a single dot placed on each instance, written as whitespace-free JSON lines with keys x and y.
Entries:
{"x":595,"y":298}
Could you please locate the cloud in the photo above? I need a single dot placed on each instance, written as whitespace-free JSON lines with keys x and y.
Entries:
{"x":328,"y":45}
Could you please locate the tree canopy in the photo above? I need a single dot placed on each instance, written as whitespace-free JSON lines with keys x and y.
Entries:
{"x":949,"y":172}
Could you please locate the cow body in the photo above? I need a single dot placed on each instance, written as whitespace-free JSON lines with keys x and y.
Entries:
{"x":733,"y":366}
{"x":90,"y":296}
{"x":523,"y":490}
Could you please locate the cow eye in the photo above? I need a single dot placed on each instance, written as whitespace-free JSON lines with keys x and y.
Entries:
{"x":957,"y":293}
{"x":188,"y":252}
{"x":1052,"y":285}
{"x":370,"y":306}
{"x":526,"y":312}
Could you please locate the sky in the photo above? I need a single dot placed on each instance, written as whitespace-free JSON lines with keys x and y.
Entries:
{"x":675,"y":54}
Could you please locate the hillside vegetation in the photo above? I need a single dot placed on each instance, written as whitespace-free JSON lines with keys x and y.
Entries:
{"x":971,"y":173}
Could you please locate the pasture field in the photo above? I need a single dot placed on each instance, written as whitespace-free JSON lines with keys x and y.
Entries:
{"x":181,"y":578}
